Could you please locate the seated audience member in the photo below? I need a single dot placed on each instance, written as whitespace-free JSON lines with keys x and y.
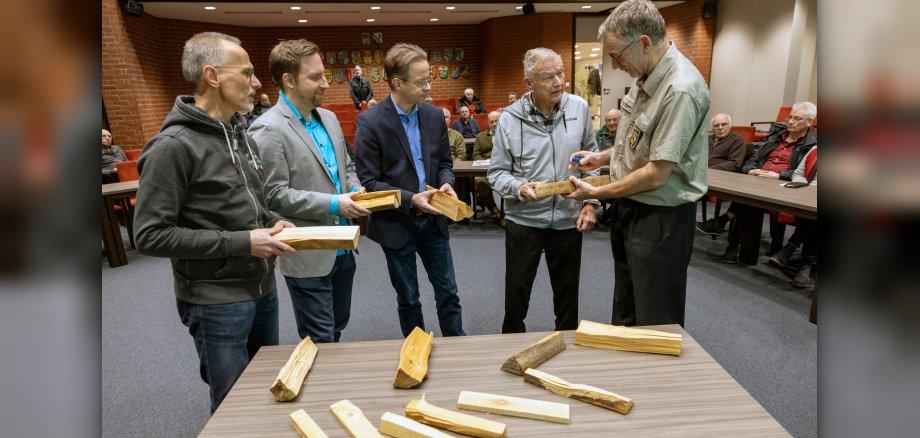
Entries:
{"x":512,"y":97}
{"x":471,"y":101}
{"x":457,"y":145}
{"x":777,"y":156}
{"x":608,"y":133}
{"x":465,"y":125}
{"x":260,"y":108}
{"x":806,"y":230}
{"x":111,"y":154}
{"x":726,"y":147}
{"x":371,"y":103}
{"x":482,"y":150}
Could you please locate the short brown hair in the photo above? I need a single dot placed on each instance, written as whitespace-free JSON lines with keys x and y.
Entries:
{"x":285,"y":58}
{"x":399,"y":58}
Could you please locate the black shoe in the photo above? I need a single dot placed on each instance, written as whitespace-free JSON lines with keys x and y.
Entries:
{"x":781,"y":258}
{"x":803,"y":278}
{"x":731,"y":254}
{"x":710,"y":227}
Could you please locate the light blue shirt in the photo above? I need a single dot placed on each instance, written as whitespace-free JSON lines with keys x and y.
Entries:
{"x":410,"y":125}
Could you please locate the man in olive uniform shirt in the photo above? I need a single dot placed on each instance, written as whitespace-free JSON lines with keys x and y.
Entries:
{"x":457,"y":145}
{"x":657,"y":164}
{"x":482,"y":150}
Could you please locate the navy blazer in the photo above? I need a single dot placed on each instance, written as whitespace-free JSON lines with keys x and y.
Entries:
{"x":383,"y":161}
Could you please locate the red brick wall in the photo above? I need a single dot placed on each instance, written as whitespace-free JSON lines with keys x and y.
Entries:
{"x":692,"y":33}
{"x":505,"y":40}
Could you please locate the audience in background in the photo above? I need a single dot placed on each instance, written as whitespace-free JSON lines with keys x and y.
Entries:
{"x":546,"y":126}
{"x":482,"y":150}
{"x":512,"y":97}
{"x":371,"y":103}
{"x":727,"y":150}
{"x":608,"y":133}
{"x":111,"y":154}
{"x":308,"y":188}
{"x":466,"y":125}
{"x":471,"y":101}
{"x":455,"y":139}
{"x":260,"y":108}
{"x":200,"y":202}
{"x":359,"y":88}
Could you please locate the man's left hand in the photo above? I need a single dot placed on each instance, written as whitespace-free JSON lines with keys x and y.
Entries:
{"x":448,"y":189}
{"x":768,"y":174}
{"x":582,"y":191}
{"x":586,"y":218}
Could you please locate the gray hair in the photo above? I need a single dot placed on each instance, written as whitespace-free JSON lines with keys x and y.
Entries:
{"x":205,"y":48}
{"x":533,"y":56}
{"x":811,"y":111}
{"x":713,"y":119}
{"x":632,"y":19}
{"x":468,"y":89}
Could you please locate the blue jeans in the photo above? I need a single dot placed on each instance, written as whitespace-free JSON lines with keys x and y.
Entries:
{"x":434,"y":250}
{"x":322,"y":305}
{"x":227,"y":336}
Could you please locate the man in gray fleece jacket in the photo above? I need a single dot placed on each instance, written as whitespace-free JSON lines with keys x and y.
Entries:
{"x":200,"y":203}
{"x":532,"y":143}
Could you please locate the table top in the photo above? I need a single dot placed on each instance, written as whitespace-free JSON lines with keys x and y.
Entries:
{"x":119,"y":187}
{"x":689,"y":395}
{"x":466,"y":168}
{"x":764,"y":192}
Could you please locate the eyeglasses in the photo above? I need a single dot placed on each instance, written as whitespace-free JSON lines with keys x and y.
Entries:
{"x":548,"y":77}
{"x":793,"y":118}
{"x":421,"y":82}
{"x":616,"y":58}
{"x":246,"y":71}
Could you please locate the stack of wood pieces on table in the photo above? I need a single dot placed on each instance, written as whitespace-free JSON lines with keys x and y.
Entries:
{"x":413,"y":359}
{"x":612,"y":337}
{"x":332,"y":237}
{"x":377,"y":201}
{"x":452,"y":208}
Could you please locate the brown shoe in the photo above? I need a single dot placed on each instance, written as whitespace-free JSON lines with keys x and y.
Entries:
{"x":803,"y":278}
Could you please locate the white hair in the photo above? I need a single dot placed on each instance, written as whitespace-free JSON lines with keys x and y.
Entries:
{"x":713,"y":119}
{"x":468,"y":90}
{"x":810,"y":109}
{"x":535,"y":55}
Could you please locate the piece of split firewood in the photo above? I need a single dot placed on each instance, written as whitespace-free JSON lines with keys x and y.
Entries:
{"x":564,"y":187}
{"x":514,"y":406}
{"x":427,"y":413}
{"x":331,"y":237}
{"x":413,"y":359}
{"x":305,"y":426}
{"x":452,"y":208}
{"x":353,"y":420}
{"x":535,"y":354}
{"x":376,"y":201}
{"x":401,"y":427}
{"x":290,"y":379}
{"x":614,"y":337}
{"x":585,"y":393}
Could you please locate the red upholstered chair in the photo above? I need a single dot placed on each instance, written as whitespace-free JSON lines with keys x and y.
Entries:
{"x":493,"y":107}
{"x":454,"y":118}
{"x":746,"y":132}
{"x":345,"y":116}
{"x":127,"y":171}
{"x":448,"y":103}
{"x":483,"y":120}
{"x":133,"y":154}
{"x":781,"y":116}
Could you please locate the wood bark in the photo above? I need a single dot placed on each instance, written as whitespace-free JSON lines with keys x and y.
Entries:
{"x":585,"y":393}
{"x":533,"y":356}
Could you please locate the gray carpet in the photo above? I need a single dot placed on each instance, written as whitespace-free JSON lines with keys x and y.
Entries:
{"x":748,"y":318}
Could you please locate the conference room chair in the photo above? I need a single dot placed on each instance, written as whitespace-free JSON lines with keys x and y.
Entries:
{"x":133,"y":154}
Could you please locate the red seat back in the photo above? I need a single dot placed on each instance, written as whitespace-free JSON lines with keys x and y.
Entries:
{"x":746,"y":132}
{"x":133,"y":154}
{"x":127,"y":170}
{"x":811,"y":163}
{"x":483,"y":120}
{"x":783,"y":113}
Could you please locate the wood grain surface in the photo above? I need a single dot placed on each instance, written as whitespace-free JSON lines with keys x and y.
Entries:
{"x":684,"y":396}
{"x":764,"y":193}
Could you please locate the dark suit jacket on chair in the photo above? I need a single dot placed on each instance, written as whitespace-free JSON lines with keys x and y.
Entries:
{"x":384,"y":162}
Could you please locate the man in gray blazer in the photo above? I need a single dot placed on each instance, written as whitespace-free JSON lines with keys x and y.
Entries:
{"x":310,"y":180}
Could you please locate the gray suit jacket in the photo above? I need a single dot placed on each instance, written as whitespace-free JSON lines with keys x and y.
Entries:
{"x":297,"y":184}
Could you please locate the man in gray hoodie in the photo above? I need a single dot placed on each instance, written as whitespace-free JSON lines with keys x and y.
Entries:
{"x":532,"y":143}
{"x":200,"y":203}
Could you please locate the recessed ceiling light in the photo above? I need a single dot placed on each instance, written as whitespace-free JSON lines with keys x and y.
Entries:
{"x":576,"y":46}
{"x":594,"y":54}
{"x":595,"y":49}
{"x":295,"y":8}
{"x":301,"y":21}
{"x":370,"y":20}
{"x":578,"y":53}
{"x":578,"y":57}
{"x":450,"y":8}
{"x":432,"y":19}
{"x":586,"y":7}
{"x":375,"y":8}
{"x":210,"y":8}
{"x":519,"y":7}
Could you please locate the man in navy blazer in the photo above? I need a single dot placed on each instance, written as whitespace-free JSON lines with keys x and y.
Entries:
{"x":401,"y":143}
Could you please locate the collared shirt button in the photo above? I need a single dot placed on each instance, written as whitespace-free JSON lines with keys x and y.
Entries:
{"x":336,"y":221}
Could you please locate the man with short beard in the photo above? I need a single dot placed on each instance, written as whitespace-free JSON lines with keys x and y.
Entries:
{"x":200,"y":203}
{"x":310,"y":179}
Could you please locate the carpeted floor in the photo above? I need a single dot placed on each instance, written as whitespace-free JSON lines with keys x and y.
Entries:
{"x":747,"y":317}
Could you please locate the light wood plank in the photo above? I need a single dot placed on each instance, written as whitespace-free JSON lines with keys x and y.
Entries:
{"x":377,"y":201}
{"x":565,"y":186}
{"x":613,"y":337}
{"x":452,"y":208}
{"x":290,"y":379}
{"x":514,"y":406}
{"x":424,"y":412}
{"x":332,"y":237}
{"x":585,"y":393}
{"x":305,"y":426}
{"x":402,"y":427}
{"x":534,"y":355}
{"x":413,"y":359}
{"x":353,"y":420}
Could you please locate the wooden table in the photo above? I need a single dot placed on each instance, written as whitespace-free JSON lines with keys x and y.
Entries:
{"x":111,"y":233}
{"x":684,"y":396}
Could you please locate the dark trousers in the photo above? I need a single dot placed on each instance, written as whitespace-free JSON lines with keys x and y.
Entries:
{"x":322,"y":305}
{"x":227,"y":336}
{"x":740,"y":211}
{"x":434,"y":250}
{"x":523,"y":247}
{"x":651,"y":251}
{"x":806,"y":235}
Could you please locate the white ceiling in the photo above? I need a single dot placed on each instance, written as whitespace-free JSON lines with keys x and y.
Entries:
{"x":356,"y":14}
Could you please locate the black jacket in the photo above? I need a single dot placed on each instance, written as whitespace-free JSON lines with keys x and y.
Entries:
{"x":199,"y":195}
{"x":476,"y":106}
{"x":772,"y":141}
{"x":360,"y":90}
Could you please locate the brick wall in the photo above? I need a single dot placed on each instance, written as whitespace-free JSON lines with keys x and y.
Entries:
{"x":692,"y":33}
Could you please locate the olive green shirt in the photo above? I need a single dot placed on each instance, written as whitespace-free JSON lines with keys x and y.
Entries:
{"x":457,"y":145}
{"x":482,"y":148}
{"x":663,"y":118}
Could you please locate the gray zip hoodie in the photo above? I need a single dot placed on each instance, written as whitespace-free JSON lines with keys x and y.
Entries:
{"x":199,"y":195}
{"x":523,"y":151}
